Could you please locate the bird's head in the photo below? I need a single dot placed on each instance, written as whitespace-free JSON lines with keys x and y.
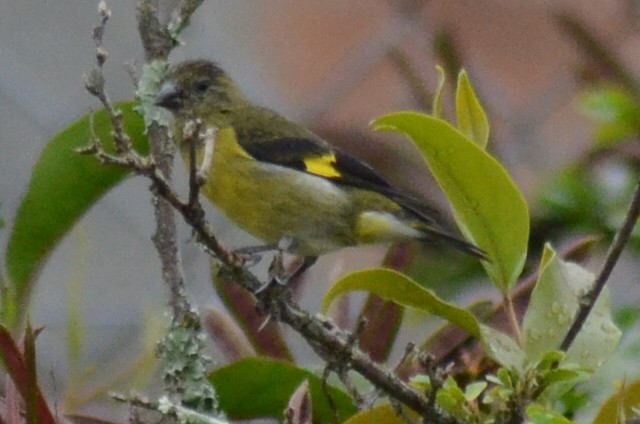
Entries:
{"x":198,"y":88}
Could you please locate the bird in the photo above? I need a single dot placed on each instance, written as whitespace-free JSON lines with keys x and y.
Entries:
{"x":284,"y":184}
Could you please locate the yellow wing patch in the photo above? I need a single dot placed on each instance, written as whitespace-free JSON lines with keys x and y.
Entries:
{"x":227,"y":139}
{"x":324,"y":166}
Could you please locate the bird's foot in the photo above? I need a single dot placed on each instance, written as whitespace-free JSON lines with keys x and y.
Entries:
{"x":251,"y":255}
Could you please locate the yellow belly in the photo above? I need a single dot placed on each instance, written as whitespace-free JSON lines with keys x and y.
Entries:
{"x":272,"y":202}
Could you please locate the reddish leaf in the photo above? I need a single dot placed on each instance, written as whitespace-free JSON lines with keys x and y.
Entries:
{"x":86,"y":419}
{"x":19,"y":371}
{"x":383,"y":318}
{"x":226,"y":334}
{"x":267,"y":339}
{"x":300,"y":410}
{"x":30,"y":400}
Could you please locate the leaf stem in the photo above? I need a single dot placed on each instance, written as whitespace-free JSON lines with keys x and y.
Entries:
{"x":513,"y":318}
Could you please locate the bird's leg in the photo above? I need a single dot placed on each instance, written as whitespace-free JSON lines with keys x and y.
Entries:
{"x":251,"y":255}
{"x":277,"y":271}
{"x":280,"y":274}
{"x":307,"y":263}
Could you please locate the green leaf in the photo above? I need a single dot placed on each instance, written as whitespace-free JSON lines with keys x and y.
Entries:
{"x":472,"y":120}
{"x":381,"y":414}
{"x":615,"y":110}
{"x":437,"y":97}
{"x":63,"y":186}
{"x":473,"y":390}
{"x":539,"y":414}
{"x":2,"y":224}
{"x":627,"y":316}
{"x":554,"y":302}
{"x":451,"y":399}
{"x":487,"y":205}
{"x":421,"y":382}
{"x":399,"y":288}
{"x":502,"y":349}
{"x":560,"y":375}
{"x":8,"y":305}
{"x":623,"y":402}
{"x":260,"y":387}
{"x":550,"y":360}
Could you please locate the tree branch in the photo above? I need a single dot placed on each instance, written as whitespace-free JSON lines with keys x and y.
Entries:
{"x":619,"y":241}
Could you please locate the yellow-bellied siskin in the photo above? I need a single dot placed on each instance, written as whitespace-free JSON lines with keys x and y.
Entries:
{"x":278,"y":180}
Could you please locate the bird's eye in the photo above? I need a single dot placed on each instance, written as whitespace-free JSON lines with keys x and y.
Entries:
{"x":202,"y":86}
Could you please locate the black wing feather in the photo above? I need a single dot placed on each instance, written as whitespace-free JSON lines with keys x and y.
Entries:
{"x":290,"y":151}
{"x":286,"y":151}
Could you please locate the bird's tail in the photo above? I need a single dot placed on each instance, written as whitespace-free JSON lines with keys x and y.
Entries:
{"x":456,"y":242}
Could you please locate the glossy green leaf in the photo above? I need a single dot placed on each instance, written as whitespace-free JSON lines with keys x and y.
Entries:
{"x":399,"y":288}
{"x":260,"y":387}
{"x":472,"y":119}
{"x":554,"y":302}
{"x":63,"y":186}
{"x":487,"y":205}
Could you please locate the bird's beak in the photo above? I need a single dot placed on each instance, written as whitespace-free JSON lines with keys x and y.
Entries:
{"x":169,"y":96}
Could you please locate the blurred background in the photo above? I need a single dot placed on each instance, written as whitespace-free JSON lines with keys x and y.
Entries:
{"x":334,"y":66}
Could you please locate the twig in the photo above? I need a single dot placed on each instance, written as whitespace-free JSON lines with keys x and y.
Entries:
{"x":187,"y":383}
{"x":168,"y":409}
{"x":410,"y":74}
{"x":350,"y":387}
{"x":446,"y":50}
{"x":182,"y":14}
{"x":619,"y":241}
{"x":598,"y":52}
{"x":156,"y":40}
{"x":341,"y":367}
{"x":94,"y":83}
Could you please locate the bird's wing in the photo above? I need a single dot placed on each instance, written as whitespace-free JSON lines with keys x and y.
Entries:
{"x":318,"y":158}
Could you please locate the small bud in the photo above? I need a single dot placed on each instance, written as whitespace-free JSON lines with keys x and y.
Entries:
{"x":101,"y":55}
{"x":190,"y":128}
{"x":89,"y":149}
{"x":94,"y":82}
{"x":103,"y":10}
